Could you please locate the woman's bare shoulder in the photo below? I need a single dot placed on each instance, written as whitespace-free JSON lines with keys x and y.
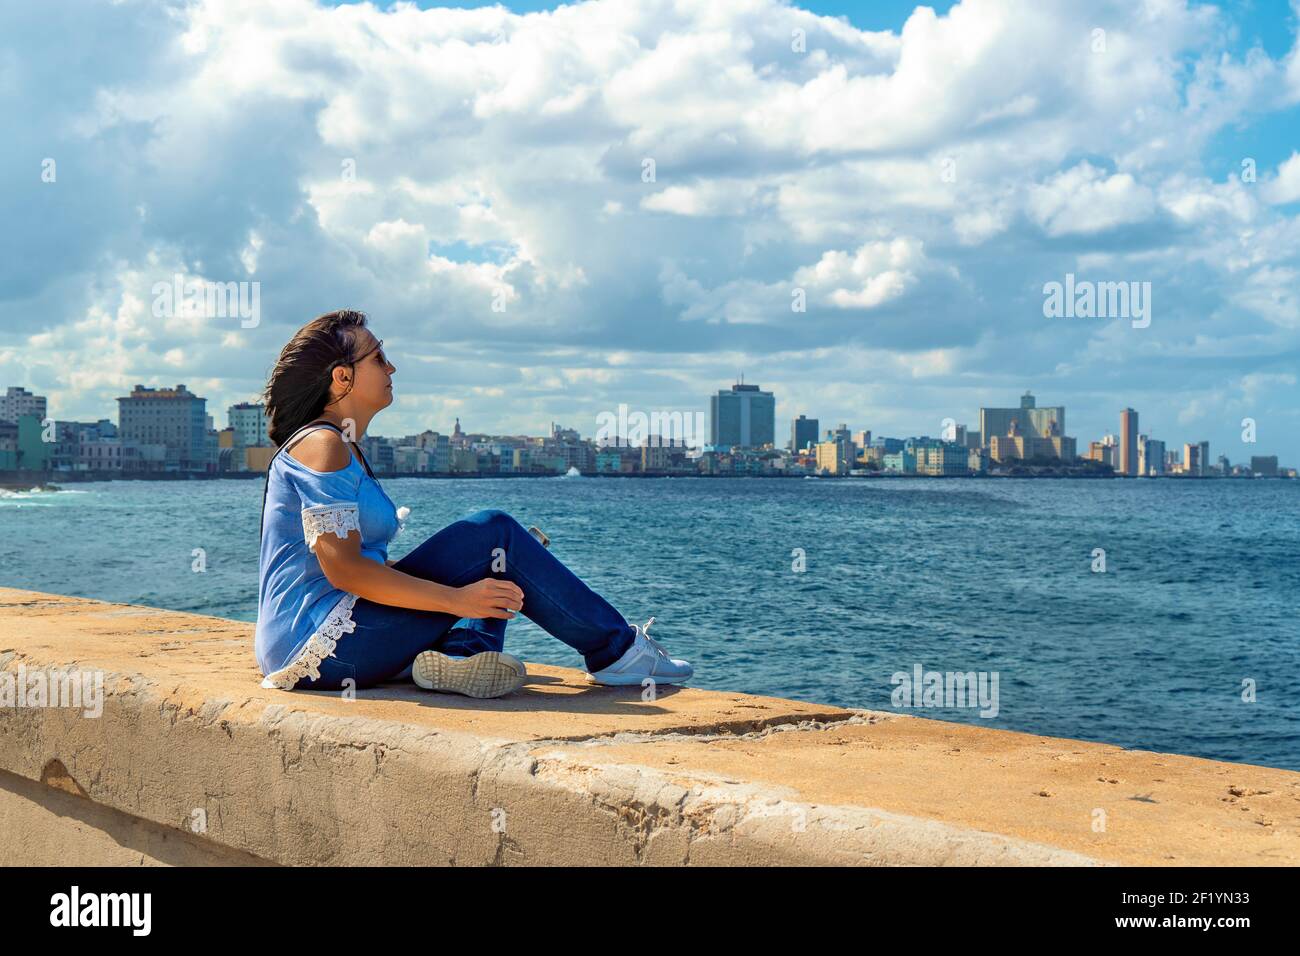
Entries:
{"x":322,"y":450}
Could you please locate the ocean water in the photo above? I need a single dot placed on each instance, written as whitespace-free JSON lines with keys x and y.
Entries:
{"x":1198,"y":602}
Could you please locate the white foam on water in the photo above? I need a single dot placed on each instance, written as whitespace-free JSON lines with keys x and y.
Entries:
{"x":8,"y":496}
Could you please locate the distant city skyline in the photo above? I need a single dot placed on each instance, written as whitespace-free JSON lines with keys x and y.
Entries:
{"x":1043,"y":420}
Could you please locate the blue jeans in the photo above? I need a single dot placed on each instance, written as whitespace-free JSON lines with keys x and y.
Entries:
{"x":387,"y":639}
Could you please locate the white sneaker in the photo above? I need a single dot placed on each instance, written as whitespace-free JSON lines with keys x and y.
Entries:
{"x":645,"y":658}
{"x":489,"y":674}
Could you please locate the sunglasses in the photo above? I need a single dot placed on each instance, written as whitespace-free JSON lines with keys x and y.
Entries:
{"x":379,"y":347}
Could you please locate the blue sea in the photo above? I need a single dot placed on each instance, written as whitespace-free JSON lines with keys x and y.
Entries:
{"x":1195,"y":612}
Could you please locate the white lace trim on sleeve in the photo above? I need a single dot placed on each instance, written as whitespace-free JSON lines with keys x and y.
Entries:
{"x":318,"y":647}
{"x":330,"y":519}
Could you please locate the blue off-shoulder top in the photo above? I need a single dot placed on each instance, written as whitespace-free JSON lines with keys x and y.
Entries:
{"x":301,"y":616}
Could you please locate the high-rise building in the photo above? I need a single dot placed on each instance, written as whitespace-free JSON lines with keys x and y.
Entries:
{"x":1106,"y":451}
{"x":1151,"y":456}
{"x":172,"y":417}
{"x":831,"y":458}
{"x":1031,"y":421}
{"x":1128,"y":436}
{"x":839,"y":434}
{"x":743,"y":416}
{"x":1204,"y":457}
{"x":250,"y":423}
{"x":803,"y":433}
{"x":1194,"y":463}
{"x":837,"y":454}
{"x":1263,"y":465}
{"x":17,"y":401}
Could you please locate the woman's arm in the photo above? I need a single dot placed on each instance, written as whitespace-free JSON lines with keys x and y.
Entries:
{"x":349,"y":570}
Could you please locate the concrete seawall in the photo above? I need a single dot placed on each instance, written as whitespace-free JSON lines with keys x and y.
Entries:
{"x":191,"y":761}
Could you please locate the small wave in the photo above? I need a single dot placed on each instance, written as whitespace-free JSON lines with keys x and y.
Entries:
{"x":37,"y":490}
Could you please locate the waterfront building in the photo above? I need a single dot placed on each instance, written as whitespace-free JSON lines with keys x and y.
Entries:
{"x":743,"y":416}
{"x":1105,"y":451}
{"x":872,"y":454}
{"x":1026,"y":432}
{"x":1128,"y":432}
{"x":887,"y":445}
{"x":664,"y":455}
{"x":803,"y":433}
{"x":837,"y":453}
{"x":621,"y":457}
{"x":1031,"y":420}
{"x":1019,"y":446}
{"x":438,"y":451}
{"x":1151,"y":456}
{"x":1193,"y":462}
{"x":378,"y":451}
{"x":250,"y":424}
{"x":942,"y":458}
{"x":99,"y":454}
{"x":902,"y":462}
{"x":33,"y":451}
{"x":17,"y":402}
{"x":464,"y":461}
{"x":1264,"y":466}
{"x":69,"y":448}
{"x":410,"y":459}
{"x":175,"y":418}
{"x":841,"y":434}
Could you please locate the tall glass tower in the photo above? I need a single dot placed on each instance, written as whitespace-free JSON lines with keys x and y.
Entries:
{"x":744,"y":415}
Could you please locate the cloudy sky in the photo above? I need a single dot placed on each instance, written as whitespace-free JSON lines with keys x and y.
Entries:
{"x":479,"y":181}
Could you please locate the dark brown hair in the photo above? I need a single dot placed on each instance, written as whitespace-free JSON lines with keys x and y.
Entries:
{"x":299,"y":385}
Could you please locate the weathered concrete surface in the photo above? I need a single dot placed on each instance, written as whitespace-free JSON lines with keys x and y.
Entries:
{"x":560,"y":773}
{"x":45,"y":824}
